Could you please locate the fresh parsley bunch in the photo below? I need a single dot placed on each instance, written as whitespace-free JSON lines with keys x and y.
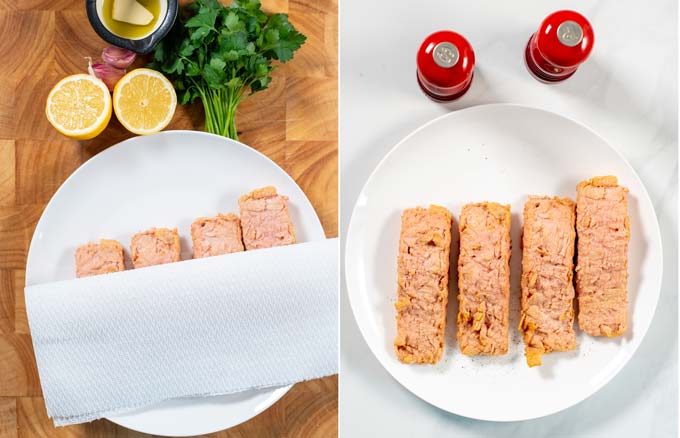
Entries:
{"x":223,"y":53}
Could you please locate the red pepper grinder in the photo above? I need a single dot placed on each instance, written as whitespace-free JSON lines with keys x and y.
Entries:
{"x":560,"y":45}
{"x":445,"y":65}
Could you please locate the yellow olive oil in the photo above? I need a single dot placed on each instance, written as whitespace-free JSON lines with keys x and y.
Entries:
{"x":127,"y":30}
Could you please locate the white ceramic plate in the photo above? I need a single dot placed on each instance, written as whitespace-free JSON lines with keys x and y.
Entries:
{"x":497,"y":153}
{"x":166,"y":179}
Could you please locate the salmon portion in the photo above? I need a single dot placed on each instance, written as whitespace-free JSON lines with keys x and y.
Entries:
{"x":603,"y":231}
{"x":547,"y":321}
{"x":219,"y":235}
{"x":484,"y":279}
{"x":155,"y":247}
{"x":423,"y":284}
{"x":265,"y":219}
{"x":99,"y":258}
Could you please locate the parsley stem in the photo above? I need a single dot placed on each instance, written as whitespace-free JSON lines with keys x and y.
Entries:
{"x":220,"y":110}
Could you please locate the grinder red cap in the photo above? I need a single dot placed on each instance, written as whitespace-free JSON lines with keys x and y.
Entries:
{"x":561,"y":44}
{"x":445,"y":65}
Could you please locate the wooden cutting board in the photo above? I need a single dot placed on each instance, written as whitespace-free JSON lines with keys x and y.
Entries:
{"x":294,"y":123}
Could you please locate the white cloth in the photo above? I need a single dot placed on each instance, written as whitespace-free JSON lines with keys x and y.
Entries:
{"x":218,"y":325}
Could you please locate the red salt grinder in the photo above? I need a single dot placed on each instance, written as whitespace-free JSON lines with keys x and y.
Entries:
{"x":445,"y":65}
{"x":560,"y":45}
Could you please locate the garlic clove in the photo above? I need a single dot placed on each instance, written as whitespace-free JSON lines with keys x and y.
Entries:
{"x":118,"y":57}
{"x":108,"y":74}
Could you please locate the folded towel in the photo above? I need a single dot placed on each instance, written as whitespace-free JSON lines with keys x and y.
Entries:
{"x":218,"y":325}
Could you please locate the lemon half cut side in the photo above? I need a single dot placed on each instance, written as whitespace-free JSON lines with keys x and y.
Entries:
{"x":144,"y":101}
{"x":79,"y":106}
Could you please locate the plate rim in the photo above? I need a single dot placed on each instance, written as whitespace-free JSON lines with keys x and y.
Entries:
{"x":352,"y":224}
{"x":102,"y":155}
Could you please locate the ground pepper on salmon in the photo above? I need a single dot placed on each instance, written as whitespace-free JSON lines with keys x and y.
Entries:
{"x":423,"y":280}
{"x":547,"y":321}
{"x":603,"y":232}
{"x":484,"y":279}
{"x":265,"y":219}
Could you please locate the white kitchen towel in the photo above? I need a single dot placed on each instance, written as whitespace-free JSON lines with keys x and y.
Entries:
{"x":218,"y":325}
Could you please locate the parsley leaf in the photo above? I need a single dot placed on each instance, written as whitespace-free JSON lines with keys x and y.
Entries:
{"x":222,"y":54}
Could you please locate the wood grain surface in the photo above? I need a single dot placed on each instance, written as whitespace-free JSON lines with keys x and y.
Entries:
{"x":294,"y":123}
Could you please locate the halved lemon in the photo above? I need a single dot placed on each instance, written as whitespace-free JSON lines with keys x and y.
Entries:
{"x":144,"y":101}
{"x":79,"y":106}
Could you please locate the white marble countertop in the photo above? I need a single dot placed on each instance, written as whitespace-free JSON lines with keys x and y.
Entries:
{"x":626,"y":92}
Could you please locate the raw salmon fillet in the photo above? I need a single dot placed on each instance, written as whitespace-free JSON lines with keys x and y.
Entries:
{"x":219,"y":235}
{"x":155,"y":247}
{"x":423,"y":281}
{"x":484,"y":279}
{"x":603,"y":231}
{"x":547,"y":321}
{"x":99,"y":258}
{"x":265,"y":219}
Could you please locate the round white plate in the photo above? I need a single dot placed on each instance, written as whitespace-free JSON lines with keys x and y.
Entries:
{"x":497,"y":153}
{"x":166,"y":179}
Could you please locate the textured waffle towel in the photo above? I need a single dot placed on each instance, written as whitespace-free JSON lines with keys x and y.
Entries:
{"x":217,"y":325}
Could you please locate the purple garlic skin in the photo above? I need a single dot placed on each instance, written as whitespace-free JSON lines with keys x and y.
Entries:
{"x":108,"y":74}
{"x":118,"y":57}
